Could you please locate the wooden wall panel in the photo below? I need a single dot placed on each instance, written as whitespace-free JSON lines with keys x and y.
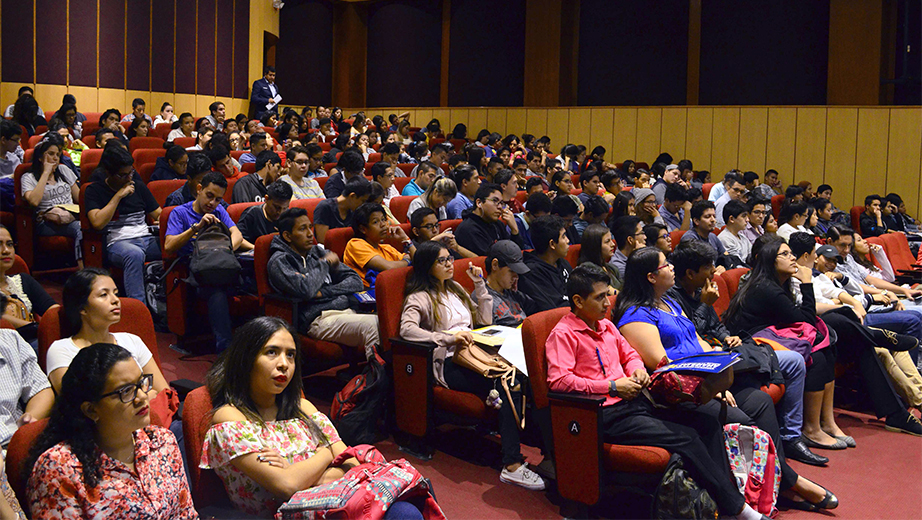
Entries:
{"x":579,"y":121}
{"x":698,"y":130}
{"x":149,"y":107}
{"x":624,"y":135}
{"x":557,"y":127}
{"x":904,"y":161}
{"x":536,"y":121}
{"x":810,"y":145}
{"x":871,"y":156}
{"x":185,"y":103}
{"x":517,"y":122}
{"x":496,"y":120}
{"x":443,"y":115}
{"x":477,"y":121}
{"x":601,"y":134}
{"x":779,"y":149}
{"x":841,"y":143}
{"x":753,"y":132}
{"x":87,"y":98}
{"x":49,"y":98}
{"x":649,"y":123}
{"x":421,"y":118}
{"x":113,"y":98}
{"x":672,"y":136}
{"x":725,"y":141}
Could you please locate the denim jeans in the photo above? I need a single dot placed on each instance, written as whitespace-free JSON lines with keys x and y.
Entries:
{"x":790,"y":408}
{"x":72,"y":230}
{"x":130,"y":254}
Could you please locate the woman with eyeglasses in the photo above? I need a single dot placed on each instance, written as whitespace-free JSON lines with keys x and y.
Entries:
{"x":651,"y":319}
{"x":99,"y":456}
{"x":91,"y":307}
{"x":435,"y":303}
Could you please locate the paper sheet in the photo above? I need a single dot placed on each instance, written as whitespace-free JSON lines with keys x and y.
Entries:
{"x":511,"y":349}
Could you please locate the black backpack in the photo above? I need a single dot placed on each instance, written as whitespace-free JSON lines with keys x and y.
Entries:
{"x":155,"y":293}
{"x":359,"y":406}
{"x":679,"y":496}
{"x":213,"y":261}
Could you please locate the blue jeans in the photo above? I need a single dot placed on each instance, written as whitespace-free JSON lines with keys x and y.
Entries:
{"x":218,"y":301}
{"x":72,"y":230}
{"x":403,"y":511}
{"x":130,"y":254}
{"x":790,"y":408}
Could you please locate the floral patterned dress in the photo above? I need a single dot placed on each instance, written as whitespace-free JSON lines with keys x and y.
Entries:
{"x":155,"y":489}
{"x":228,"y":440}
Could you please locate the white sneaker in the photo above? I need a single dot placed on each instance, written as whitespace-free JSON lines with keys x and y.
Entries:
{"x":524,"y":477}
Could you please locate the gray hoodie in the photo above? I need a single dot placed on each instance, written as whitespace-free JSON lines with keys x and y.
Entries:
{"x":303,"y":277}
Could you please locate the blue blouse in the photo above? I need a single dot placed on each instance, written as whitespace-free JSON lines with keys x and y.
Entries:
{"x":676,"y":332}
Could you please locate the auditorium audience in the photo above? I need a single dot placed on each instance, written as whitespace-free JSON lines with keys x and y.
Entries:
{"x":487,"y":221}
{"x":183,"y":127}
{"x":424,"y":226}
{"x":99,"y":454}
{"x":184,"y":224}
{"x":260,"y":220}
{"x":166,"y":115}
{"x":736,"y":216}
{"x":436,"y":197}
{"x":119,"y":206}
{"x":23,"y":91}
{"x":52,"y":190}
{"x":654,"y":323}
{"x":252,"y":187}
{"x":25,"y":394}
{"x":616,"y":373}
{"x":793,"y":218}
{"x":598,"y":247}
{"x":138,"y":106}
{"x":367,"y":253}
{"x":337,"y":212}
{"x":546,"y":281}
{"x":350,"y":165}
{"x":27,"y":299}
{"x":216,"y":115}
{"x":301,"y":269}
{"x":629,"y":236}
{"x":435,"y":303}
{"x":172,"y":165}
{"x":139,"y":127}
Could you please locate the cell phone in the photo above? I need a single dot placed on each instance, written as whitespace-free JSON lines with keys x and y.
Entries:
{"x":490,"y":332}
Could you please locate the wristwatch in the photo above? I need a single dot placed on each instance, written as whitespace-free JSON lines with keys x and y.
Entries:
{"x":612,"y":389}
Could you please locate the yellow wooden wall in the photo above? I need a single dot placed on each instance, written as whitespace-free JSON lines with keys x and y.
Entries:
{"x":856,"y":150}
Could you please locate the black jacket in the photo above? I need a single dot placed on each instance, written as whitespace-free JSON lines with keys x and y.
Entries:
{"x":477,"y":235}
{"x":546,"y":283}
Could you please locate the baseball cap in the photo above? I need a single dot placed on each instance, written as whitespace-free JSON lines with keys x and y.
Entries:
{"x":510,"y":254}
{"x":829,"y":252}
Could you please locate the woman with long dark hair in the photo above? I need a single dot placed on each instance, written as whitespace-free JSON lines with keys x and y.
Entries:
{"x":266,"y":441}
{"x":25,"y":112}
{"x":140,"y":127}
{"x":435,"y":303}
{"x":99,"y":456}
{"x":91,"y":307}
{"x":597,"y":247}
{"x":657,"y":327}
{"x":48,"y":188}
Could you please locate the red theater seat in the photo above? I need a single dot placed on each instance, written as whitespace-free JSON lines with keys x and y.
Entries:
{"x":206,"y":486}
{"x":138,"y":143}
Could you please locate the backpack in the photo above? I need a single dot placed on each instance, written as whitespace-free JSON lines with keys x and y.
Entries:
{"x":213,"y":261}
{"x":358,"y":407}
{"x":679,"y":496}
{"x":755,"y":465}
{"x":365,"y":492}
{"x":155,"y":293}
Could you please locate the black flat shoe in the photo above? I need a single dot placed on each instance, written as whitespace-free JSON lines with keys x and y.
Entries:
{"x":790,"y":503}
{"x":798,"y":450}
{"x":892,"y":340}
{"x":828,"y":502}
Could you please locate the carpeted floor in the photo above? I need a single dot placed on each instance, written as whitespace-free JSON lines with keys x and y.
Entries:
{"x":881,"y":478}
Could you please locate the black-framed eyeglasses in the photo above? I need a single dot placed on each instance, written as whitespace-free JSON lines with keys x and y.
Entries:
{"x":431,"y":227}
{"x":445,"y":260}
{"x":499,"y":202}
{"x":129,"y":392}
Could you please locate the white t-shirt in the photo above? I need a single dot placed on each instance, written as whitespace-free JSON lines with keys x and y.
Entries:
{"x":786,"y":230}
{"x":63,"y":351}
{"x":57,"y":193}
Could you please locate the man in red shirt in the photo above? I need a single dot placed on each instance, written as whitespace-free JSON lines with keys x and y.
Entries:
{"x":587,"y":355}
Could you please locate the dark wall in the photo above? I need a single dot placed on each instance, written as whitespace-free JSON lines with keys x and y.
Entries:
{"x":764,"y":52}
{"x":413,"y":78}
{"x":633,"y":52}
{"x":486,"y":63}
{"x":151,"y":32}
{"x":304,"y":56}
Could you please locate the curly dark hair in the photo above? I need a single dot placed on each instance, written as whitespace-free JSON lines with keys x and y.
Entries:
{"x":83,"y":382}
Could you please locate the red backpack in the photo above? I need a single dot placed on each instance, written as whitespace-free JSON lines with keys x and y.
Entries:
{"x":359,"y":406}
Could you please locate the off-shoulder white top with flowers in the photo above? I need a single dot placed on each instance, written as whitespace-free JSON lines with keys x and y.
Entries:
{"x":228,"y":440}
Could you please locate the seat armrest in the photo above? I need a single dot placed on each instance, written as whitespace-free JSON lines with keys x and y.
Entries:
{"x":285,"y":307}
{"x":576,"y":423}
{"x":413,"y":381}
